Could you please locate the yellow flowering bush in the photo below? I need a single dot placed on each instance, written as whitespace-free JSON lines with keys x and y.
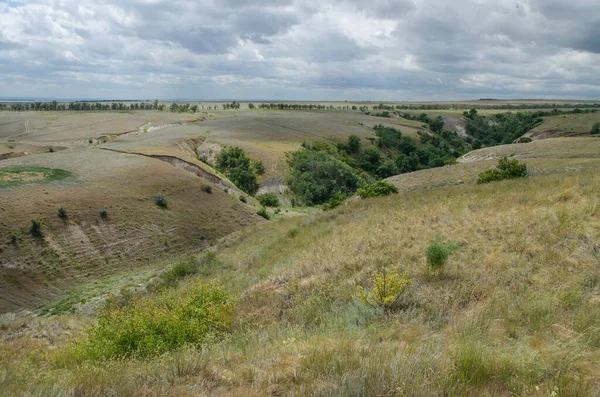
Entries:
{"x":388,"y":286}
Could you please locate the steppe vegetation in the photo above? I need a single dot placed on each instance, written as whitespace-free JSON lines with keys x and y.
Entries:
{"x":293,"y":250}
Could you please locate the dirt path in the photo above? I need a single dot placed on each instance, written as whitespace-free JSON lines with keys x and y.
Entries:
{"x":27,"y":127}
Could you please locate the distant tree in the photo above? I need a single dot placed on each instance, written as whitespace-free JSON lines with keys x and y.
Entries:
{"x":251,"y":106}
{"x":596,"y":129}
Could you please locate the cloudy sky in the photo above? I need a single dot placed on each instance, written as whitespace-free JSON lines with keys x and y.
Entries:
{"x":300,"y":49}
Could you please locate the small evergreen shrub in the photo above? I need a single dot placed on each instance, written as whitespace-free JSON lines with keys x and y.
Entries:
{"x":50,"y":149}
{"x":263,"y":212}
{"x":207,"y":189}
{"x":379,"y":188}
{"x":596,"y":129}
{"x":506,"y":169}
{"x":388,"y":286}
{"x":36,"y":228}
{"x":103,"y":213}
{"x":268,"y":200}
{"x":160,"y":200}
{"x":62,"y":212}
{"x":439,"y":251}
{"x":149,"y":326}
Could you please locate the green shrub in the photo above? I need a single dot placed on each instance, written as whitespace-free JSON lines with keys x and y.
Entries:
{"x":36,"y":228}
{"x":506,"y":169}
{"x":268,"y":200}
{"x":103,"y":213}
{"x":62,"y":212}
{"x":160,"y":200}
{"x":50,"y":149}
{"x":353,"y":145}
{"x":317,"y":176}
{"x":439,"y":251}
{"x":180,"y":271}
{"x":596,"y":129}
{"x":293,"y":232}
{"x":379,"y":188}
{"x":207,"y":189}
{"x":388,"y":287}
{"x":149,"y":326}
{"x":259,"y":167}
{"x":234,"y":163}
{"x":262,"y":211}
{"x":335,"y":201}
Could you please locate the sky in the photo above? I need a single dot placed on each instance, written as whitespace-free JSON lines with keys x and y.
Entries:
{"x":402,"y":50}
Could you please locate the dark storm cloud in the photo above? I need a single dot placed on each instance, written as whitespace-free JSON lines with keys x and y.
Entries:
{"x":350,"y":49}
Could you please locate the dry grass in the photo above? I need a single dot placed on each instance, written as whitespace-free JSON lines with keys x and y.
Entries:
{"x":515,"y":313}
{"x":565,"y":125}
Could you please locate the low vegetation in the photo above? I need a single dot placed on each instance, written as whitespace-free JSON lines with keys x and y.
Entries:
{"x":10,"y":176}
{"x":506,"y":169}
{"x":262,"y":211}
{"x":268,"y":200}
{"x":438,"y":253}
{"x":148,"y":326}
{"x":388,"y":285}
{"x":377,"y":189}
{"x":161,"y":200}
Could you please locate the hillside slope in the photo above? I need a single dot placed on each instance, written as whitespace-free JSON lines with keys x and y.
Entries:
{"x":514,"y":312}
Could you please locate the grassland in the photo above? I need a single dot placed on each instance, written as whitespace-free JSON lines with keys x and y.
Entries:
{"x":11,"y":176}
{"x":565,"y":125}
{"x":514,"y":313}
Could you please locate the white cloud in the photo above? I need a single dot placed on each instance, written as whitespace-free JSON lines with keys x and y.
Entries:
{"x":383,"y":49}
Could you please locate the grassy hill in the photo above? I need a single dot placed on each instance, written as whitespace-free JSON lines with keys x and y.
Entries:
{"x":515,"y":310}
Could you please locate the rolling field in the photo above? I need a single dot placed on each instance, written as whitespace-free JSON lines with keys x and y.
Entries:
{"x":130,"y":158}
{"x":566,"y":125}
{"x":515,"y":312}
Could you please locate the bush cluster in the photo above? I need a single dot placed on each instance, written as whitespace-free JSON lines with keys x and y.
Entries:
{"x":62,"y":212}
{"x":379,"y":188}
{"x":149,"y":326}
{"x":234,"y":163}
{"x":506,"y":169}
{"x":268,"y":200}
{"x":317,"y":176}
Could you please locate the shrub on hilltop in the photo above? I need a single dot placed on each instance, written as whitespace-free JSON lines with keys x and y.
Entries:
{"x":506,"y":169}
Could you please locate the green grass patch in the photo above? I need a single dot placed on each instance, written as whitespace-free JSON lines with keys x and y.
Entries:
{"x":149,"y":326}
{"x":11,"y":176}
